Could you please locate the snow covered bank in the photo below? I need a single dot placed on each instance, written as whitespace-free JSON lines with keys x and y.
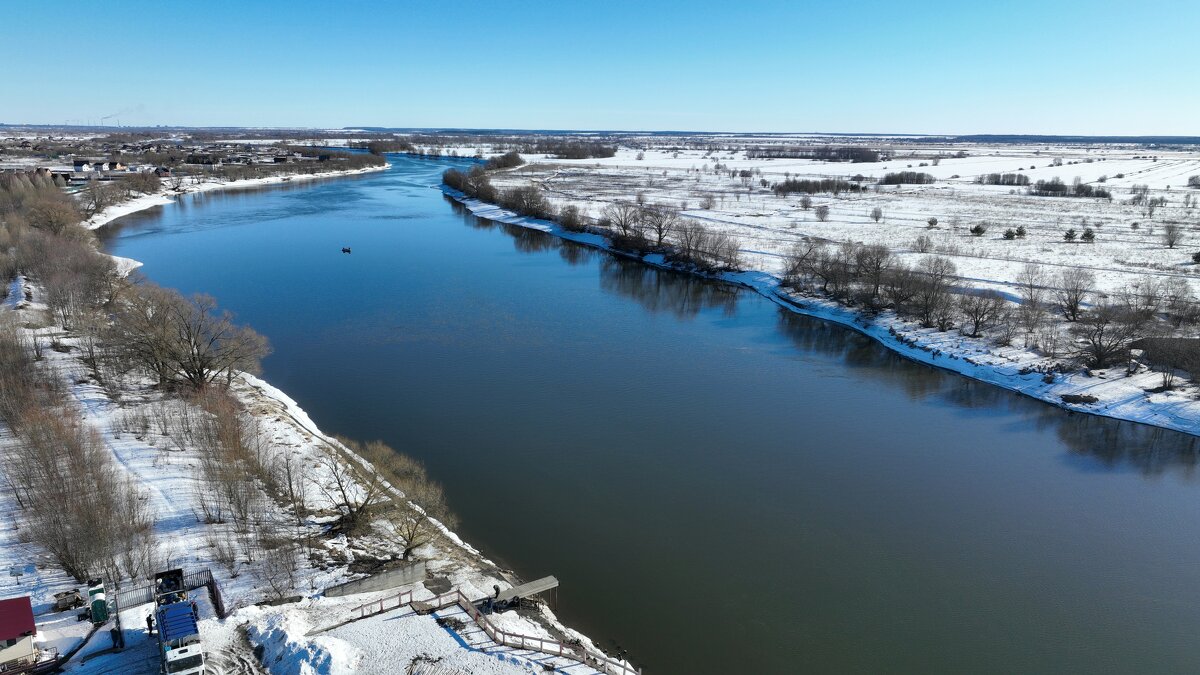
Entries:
{"x":144,"y":202}
{"x":1119,"y":395}
{"x":145,"y":432}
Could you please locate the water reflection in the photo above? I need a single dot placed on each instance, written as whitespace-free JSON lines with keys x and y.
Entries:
{"x":1105,"y":443}
{"x":526,"y":240}
{"x":682,"y":295}
{"x":1116,"y":445}
{"x":577,"y":254}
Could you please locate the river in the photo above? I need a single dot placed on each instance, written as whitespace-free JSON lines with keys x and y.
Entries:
{"x":721,"y":486}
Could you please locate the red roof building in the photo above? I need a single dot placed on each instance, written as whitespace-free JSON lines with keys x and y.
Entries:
{"x":17,"y":629}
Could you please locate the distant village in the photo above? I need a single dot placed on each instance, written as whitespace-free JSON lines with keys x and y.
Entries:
{"x":78,"y":161}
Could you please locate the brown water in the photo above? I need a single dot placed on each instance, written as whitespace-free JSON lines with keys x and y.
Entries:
{"x":721,"y":486}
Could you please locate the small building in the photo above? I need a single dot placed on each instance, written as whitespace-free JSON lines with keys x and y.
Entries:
{"x":17,"y":629}
{"x":204,"y":158}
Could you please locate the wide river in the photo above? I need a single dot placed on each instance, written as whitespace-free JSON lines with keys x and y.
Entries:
{"x":721,"y":486}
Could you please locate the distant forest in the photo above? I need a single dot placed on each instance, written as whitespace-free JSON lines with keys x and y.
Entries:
{"x":826,"y":153}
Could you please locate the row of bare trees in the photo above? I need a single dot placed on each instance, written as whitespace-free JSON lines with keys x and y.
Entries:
{"x":635,"y":227}
{"x":74,"y":500}
{"x":181,"y":340}
{"x":1103,"y":327}
{"x":386,"y":492}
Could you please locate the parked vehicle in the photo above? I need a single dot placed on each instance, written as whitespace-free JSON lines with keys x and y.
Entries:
{"x":175,"y":617}
{"x":65,"y":600}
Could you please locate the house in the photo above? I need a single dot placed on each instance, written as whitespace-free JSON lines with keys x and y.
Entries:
{"x":202,"y":158}
{"x":16,"y":635}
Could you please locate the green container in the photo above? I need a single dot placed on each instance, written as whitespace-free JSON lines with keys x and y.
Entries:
{"x":98,"y":602}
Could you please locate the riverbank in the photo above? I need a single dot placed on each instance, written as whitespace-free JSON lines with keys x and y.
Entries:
{"x":166,"y":196}
{"x":1118,"y":393}
{"x":149,"y":435}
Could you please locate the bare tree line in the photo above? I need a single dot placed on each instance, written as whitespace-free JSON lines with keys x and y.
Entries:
{"x":634,"y":227}
{"x":73,"y":499}
{"x":1103,"y":328}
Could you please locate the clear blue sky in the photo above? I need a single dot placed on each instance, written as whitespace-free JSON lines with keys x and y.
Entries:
{"x":865,"y":66}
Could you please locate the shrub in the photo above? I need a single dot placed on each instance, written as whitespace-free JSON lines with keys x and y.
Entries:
{"x":506,"y":161}
{"x":1004,"y":179}
{"x":979,"y":230}
{"x":1050,"y":188}
{"x":574,"y":149}
{"x":527,"y":200}
{"x":812,"y":187}
{"x":1069,"y":235}
{"x":1089,"y":235}
{"x":1010,"y":234}
{"x":1021,"y":231}
{"x":906,"y":177}
{"x":570,"y":218}
{"x":1196,"y":257}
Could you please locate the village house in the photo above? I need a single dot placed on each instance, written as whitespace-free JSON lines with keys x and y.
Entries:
{"x":17,"y":629}
{"x":202,"y":158}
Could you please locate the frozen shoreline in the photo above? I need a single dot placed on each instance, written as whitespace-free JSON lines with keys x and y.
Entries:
{"x":166,"y":197}
{"x":1121,"y":397}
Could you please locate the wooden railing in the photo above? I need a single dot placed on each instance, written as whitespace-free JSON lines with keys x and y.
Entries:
{"x":502,"y":637}
{"x":383,"y":604}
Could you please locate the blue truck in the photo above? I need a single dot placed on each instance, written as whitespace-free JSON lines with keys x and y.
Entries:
{"x":178,"y":631}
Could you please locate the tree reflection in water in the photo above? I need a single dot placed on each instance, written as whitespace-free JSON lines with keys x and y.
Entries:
{"x":681,"y":295}
{"x":1106,"y":443}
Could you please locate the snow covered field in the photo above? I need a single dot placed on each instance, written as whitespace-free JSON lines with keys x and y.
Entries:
{"x":1128,"y":246}
{"x":768,"y":226}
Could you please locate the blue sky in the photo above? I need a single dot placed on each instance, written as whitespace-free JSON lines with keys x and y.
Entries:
{"x":866,"y":66}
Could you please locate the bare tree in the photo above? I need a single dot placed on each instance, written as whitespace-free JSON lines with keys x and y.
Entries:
{"x":981,"y":310}
{"x":822,"y":213}
{"x":900,"y":285}
{"x":1104,"y":334}
{"x":662,"y":221}
{"x":410,"y":524}
{"x":877,"y":214}
{"x":1172,"y":235}
{"x":872,"y":263}
{"x":185,"y":339}
{"x":798,"y":261}
{"x":1032,"y":311}
{"x":932,"y":299}
{"x":626,"y":217}
{"x":1074,"y":286}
